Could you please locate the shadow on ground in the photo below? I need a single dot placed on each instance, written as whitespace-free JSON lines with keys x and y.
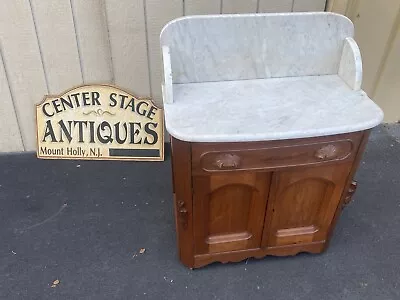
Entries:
{"x":84,"y":222}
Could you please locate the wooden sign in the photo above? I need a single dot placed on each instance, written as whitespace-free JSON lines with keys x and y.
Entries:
{"x":99,"y":122}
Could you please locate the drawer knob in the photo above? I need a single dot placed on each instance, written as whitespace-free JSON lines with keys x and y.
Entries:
{"x":227,"y":161}
{"x":327,"y":152}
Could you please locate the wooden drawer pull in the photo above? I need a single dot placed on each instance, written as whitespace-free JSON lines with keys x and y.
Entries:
{"x":327,"y":152}
{"x":227,"y":161}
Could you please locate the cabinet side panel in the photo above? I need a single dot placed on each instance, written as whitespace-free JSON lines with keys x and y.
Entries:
{"x":181,"y":161}
{"x":349,"y":180}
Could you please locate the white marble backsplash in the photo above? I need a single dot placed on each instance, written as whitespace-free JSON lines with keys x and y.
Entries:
{"x":263,"y":77}
{"x":238,"y":47}
{"x":350,"y":69}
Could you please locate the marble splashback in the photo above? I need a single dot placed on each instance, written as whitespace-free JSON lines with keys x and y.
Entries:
{"x":251,"y":46}
{"x":350,"y":69}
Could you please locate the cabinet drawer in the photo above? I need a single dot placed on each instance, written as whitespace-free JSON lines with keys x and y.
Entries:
{"x":222,"y":157}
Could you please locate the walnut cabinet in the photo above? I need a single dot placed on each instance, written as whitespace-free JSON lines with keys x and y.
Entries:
{"x":239,"y":200}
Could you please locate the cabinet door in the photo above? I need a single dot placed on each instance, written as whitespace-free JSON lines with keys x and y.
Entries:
{"x":302,"y":204}
{"x":229,"y":210}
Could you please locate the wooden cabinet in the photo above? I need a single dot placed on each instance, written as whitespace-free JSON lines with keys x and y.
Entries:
{"x":228,"y":210}
{"x":302,"y":204}
{"x":240,"y":200}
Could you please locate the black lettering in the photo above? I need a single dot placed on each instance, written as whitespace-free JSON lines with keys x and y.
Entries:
{"x":131,"y":104}
{"x":123,"y":97}
{"x":49,"y":132}
{"x":43,"y":150}
{"x":117,"y":134}
{"x":64,"y":129}
{"x":85,"y":98}
{"x":66,"y":102}
{"x":135,"y":133}
{"x":152,"y":132}
{"x":144,"y":111}
{"x":113,"y":101}
{"x":102,"y":127}
{"x":80,"y":127}
{"x":151,"y":113}
{"x":75,"y":96}
{"x":56,"y":105}
{"x":95,"y":98}
{"x":91,"y":131}
{"x":44,"y":110}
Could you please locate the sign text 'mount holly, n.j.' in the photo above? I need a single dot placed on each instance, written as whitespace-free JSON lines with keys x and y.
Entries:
{"x":99,"y":122}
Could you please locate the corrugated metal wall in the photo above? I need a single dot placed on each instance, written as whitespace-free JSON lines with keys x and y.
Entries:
{"x":47,"y":47}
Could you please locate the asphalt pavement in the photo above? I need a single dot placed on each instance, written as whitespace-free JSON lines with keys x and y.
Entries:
{"x":76,"y":230}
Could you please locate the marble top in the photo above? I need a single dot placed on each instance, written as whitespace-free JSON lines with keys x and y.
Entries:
{"x":268,"y":109}
{"x":258,"y":77}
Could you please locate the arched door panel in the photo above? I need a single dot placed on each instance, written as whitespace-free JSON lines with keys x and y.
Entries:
{"x":228,"y":211}
{"x":302,"y":204}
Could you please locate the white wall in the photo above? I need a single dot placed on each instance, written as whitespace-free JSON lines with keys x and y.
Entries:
{"x":48,"y":46}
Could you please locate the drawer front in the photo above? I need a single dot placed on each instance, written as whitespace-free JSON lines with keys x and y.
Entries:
{"x":223,"y":157}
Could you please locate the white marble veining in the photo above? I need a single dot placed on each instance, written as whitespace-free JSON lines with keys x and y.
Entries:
{"x":268,"y":109}
{"x":251,"y":46}
{"x":350,"y":68}
{"x":234,"y":78}
{"x":167,"y":84}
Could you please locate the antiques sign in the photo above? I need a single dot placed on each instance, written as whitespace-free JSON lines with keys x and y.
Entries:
{"x":99,"y":122}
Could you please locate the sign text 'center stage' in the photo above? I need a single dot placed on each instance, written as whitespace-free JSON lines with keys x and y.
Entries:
{"x":99,"y":122}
